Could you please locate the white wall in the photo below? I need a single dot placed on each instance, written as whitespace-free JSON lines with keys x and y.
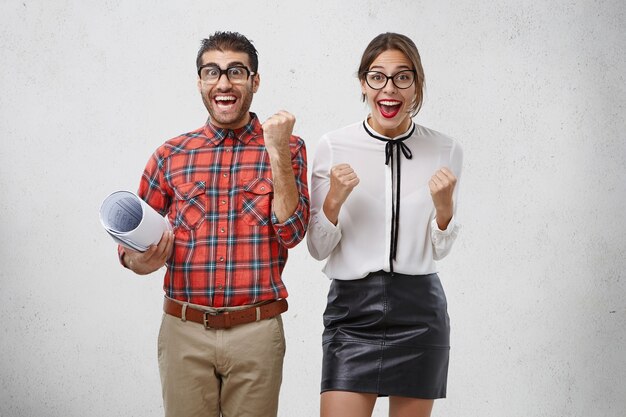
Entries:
{"x":534,"y":91}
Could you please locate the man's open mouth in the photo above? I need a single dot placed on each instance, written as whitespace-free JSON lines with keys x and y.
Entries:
{"x":225,"y":101}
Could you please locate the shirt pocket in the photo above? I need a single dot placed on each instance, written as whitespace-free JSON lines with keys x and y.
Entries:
{"x":256,"y":207}
{"x":191,"y":204}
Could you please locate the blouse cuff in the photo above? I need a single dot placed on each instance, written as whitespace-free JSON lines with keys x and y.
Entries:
{"x":325,"y":226}
{"x":452,"y":226}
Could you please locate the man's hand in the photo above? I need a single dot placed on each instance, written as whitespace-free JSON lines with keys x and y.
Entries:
{"x":343,"y":179}
{"x":441,"y":187}
{"x":144,"y":263}
{"x":277,"y":131}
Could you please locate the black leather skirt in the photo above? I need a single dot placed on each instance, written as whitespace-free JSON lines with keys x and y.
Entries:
{"x":388,"y":335}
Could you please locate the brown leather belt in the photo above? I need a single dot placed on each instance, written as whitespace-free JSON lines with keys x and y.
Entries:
{"x":224,"y":319}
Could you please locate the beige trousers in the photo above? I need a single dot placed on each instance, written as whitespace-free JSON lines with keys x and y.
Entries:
{"x":233,"y":372}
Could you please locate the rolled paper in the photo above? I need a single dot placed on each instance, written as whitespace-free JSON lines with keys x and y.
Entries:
{"x":131,"y":222}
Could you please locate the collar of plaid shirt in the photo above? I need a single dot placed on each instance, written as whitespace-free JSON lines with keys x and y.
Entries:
{"x":216,"y":135}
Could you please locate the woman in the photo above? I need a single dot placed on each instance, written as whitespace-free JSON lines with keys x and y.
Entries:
{"x":383,"y":210}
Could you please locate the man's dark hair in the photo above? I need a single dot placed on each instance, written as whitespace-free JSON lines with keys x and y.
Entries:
{"x":229,"y":41}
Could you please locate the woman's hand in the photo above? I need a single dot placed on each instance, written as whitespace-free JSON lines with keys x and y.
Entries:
{"x":343,"y":179}
{"x":441,"y":186}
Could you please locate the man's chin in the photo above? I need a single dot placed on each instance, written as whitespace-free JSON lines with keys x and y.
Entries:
{"x":229,"y":121}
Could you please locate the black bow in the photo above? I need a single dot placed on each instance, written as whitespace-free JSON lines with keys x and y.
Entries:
{"x":399,"y":146}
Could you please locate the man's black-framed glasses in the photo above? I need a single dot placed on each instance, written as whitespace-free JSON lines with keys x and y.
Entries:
{"x":237,"y":74}
{"x":402,"y":79}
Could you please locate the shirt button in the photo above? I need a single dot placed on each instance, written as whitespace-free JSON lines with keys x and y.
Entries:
{"x":221,"y":259}
{"x":262,"y":188}
{"x":220,"y":286}
{"x":225,"y":175}
{"x":222,"y":230}
{"x":223,"y":201}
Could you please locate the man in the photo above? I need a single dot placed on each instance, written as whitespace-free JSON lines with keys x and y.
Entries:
{"x":236,"y":194}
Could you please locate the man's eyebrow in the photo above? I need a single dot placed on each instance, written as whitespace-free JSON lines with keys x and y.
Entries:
{"x":230,"y":64}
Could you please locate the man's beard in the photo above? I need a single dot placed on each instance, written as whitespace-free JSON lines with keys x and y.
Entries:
{"x":231,"y":120}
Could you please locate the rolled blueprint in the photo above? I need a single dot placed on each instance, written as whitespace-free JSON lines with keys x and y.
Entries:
{"x":131,"y":222}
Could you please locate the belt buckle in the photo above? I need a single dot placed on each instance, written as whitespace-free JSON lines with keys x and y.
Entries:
{"x":205,"y":318}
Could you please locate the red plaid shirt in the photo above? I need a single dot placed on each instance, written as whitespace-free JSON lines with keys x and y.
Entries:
{"x":215,"y":186}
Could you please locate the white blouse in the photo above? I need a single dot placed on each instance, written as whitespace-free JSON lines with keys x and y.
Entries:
{"x":360,"y":242}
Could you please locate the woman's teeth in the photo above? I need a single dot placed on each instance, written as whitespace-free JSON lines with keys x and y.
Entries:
{"x":389,"y":108}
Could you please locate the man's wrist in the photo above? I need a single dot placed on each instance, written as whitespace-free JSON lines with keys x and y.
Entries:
{"x":278,"y":152}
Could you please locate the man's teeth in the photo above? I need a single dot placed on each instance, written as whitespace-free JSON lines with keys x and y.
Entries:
{"x":224,"y":98}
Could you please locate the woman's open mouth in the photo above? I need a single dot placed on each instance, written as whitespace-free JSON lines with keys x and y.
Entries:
{"x":389,"y":108}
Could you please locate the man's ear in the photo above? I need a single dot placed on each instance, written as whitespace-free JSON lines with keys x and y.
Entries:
{"x":256,"y":81}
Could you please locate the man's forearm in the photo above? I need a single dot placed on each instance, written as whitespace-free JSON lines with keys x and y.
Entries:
{"x":286,"y":195}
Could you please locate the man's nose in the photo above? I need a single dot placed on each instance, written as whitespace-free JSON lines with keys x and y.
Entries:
{"x":223,"y":82}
